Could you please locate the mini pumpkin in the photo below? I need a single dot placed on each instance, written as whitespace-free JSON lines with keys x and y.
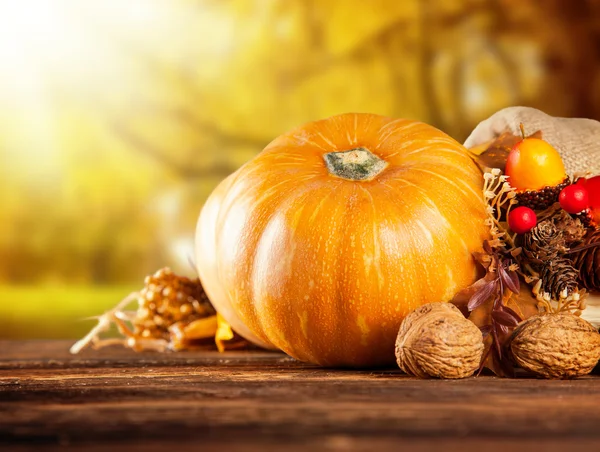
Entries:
{"x":322,"y":243}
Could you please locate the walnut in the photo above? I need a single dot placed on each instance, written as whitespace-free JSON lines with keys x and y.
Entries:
{"x":556,"y":346}
{"x":436,"y":340}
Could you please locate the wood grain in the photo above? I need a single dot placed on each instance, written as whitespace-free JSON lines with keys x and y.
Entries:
{"x":262,"y":401}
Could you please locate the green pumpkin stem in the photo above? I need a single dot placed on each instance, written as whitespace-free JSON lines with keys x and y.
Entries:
{"x":357,"y":164}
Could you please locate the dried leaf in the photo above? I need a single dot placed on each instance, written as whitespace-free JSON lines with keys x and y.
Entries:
{"x":516,"y":252}
{"x":485,"y":330}
{"x":224,"y":333}
{"x":524,"y":304}
{"x":487,"y":301}
{"x":516,"y":316}
{"x":497,"y":343}
{"x":492,"y":158}
{"x":516,"y":284}
{"x":480,"y":148}
{"x":505,"y":141}
{"x":482,"y":317}
{"x":503,"y":328}
{"x":462,"y":298}
{"x":185,"y":336}
{"x":227,"y":339}
{"x":481,"y":295}
{"x":493,"y":154}
{"x":504,"y":318}
{"x":536,"y":134}
{"x":510,"y":279}
{"x":487,"y":248}
{"x":201,"y":329}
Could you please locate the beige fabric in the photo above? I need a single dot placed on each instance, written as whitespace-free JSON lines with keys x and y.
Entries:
{"x":577,"y":139}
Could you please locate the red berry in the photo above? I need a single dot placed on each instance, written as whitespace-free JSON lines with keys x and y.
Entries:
{"x":574,"y":198}
{"x":522,"y":220}
{"x":592,"y":185}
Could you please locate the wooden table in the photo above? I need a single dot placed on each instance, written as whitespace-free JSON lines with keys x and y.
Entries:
{"x":116,"y":400}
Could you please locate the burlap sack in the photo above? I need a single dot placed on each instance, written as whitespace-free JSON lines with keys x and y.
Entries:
{"x":577,"y":139}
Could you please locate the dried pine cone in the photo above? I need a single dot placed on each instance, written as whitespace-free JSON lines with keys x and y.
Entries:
{"x":572,"y":226}
{"x":436,"y":340}
{"x":544,"y":242}
{"x":556,"y":346}
{"x":167,"y":299}
{"x":572,"y":229}
{"x":559,"y":279}
{"x":587,"y":261}
{"x":555,"y":231}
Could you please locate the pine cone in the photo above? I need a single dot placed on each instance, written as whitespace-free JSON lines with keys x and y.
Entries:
{"x":572,"y":228}
{"x":543,"y":243}
{"x":166,"y":299}
{"x":559,"y":278}
{"x":550,"y":239}
{"x":587,"y":261}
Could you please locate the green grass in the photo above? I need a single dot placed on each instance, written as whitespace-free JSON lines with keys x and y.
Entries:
{"x":54,"y":311}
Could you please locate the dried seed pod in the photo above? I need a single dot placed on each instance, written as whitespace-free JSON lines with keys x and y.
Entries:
{"x":556,"y":346}
{"x":436,"y":340}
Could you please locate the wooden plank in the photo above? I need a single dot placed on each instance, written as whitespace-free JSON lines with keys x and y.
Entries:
{"x":265,"y":401}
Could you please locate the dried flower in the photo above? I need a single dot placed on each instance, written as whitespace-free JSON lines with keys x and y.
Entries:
{"x":499,"y":197}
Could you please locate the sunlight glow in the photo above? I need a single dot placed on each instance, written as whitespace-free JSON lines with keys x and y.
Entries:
{"x":56,"y":53}
{"x":30,"y":33}
{"x":67,"y":39}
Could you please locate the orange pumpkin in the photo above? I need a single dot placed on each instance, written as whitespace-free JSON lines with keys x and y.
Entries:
{"x":321,"y":244}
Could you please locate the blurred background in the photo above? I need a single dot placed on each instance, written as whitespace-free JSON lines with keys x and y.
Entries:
{"x":117,"y":118}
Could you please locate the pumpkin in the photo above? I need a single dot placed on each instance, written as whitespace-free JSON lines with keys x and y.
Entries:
{"x":207,"y":263}
{"x":322,"y":243}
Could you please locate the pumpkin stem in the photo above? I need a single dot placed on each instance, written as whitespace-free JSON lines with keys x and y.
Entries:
{"x":354,"y":164}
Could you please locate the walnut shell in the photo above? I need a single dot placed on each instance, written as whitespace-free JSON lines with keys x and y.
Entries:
{"x":436,"y":340}
{"x":556,"y":346}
